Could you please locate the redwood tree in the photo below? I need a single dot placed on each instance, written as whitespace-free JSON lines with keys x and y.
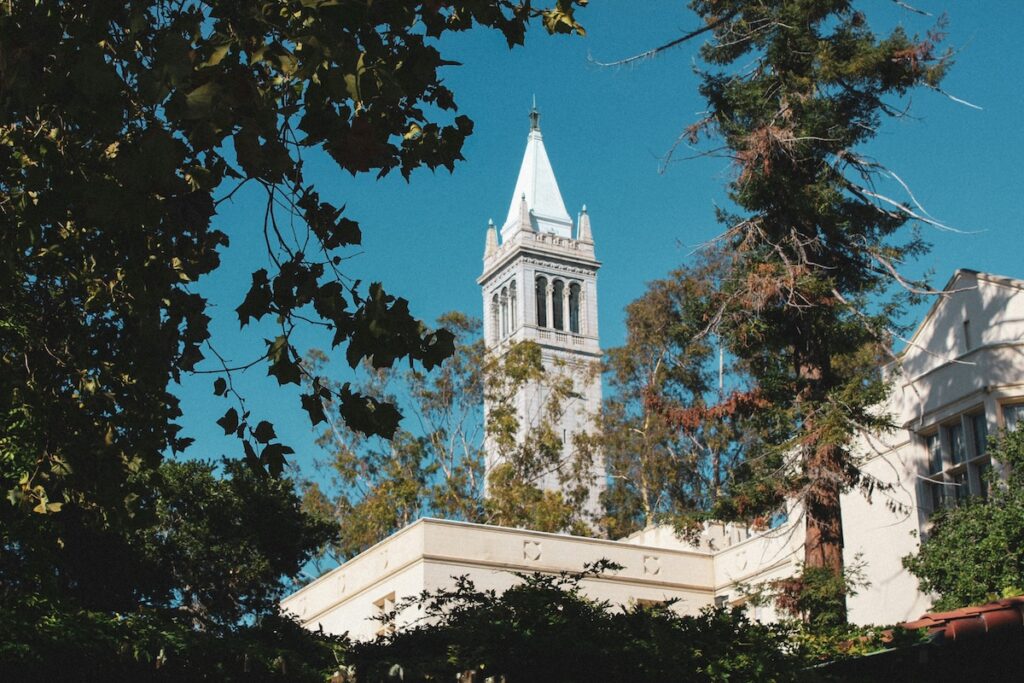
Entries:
{"x":794,"y":90}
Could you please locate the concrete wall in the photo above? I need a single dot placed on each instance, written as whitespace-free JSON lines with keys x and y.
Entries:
{"x":429,"y":553}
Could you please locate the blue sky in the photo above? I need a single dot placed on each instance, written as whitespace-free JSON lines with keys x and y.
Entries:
{"x":606,"y":131}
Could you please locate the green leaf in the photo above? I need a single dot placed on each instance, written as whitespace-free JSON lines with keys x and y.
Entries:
{"x":368,"y":415}
{"x":283,"y":364}
{"x":201,"y":101}
{"x":312,"y":404}
{"x":257,"y":301}
{"x":273,"y":458}
{"x":230,"y":421}
{"x":264,"y":432}
{"x":220,"y":386}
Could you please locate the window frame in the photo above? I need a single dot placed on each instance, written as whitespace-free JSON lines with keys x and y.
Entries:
{"x":960,"y":447}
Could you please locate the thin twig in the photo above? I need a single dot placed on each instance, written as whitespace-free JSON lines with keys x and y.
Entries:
{"x":648,"y":54}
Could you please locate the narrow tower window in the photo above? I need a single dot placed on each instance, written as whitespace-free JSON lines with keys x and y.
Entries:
{"x":513,"y":319}
{"x":574,"y":308}
{"x":494,"y":319}
{"x":556,"y":305}
{"x":504,"y":312}
{"x":542,"y":305}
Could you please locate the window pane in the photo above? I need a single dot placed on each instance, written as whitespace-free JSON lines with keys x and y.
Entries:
{"x":934,"y":452}
{"x":962,"y":489}
{"x":1012,"y":414}
{"x":542,"y":302}
{"x":957,"y":446}
{"x":557,"y":293}
{"x":574,"y":308}
{"x":513,"y":322}
{"x":979,"y":430}
{"x":938,"y":491}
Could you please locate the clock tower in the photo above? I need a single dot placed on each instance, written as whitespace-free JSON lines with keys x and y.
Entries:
{"x":539,"y":284}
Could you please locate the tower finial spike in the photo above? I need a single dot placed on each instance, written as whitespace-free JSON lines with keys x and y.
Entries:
{"x":534,"y":116}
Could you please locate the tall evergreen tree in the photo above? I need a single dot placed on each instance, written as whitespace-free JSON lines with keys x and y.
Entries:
{"x":796,"y":87}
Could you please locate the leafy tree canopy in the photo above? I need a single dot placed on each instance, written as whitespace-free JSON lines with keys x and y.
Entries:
{"x":672,"y":434}
{"x":374,"y":487}
{"x":124,"y":126}
{"x":794,"y":89}
{"x":191,"y":596}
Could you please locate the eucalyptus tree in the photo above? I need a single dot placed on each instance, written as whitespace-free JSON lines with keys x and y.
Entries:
{"x":672,"y":428}
{"x":371,"y":487}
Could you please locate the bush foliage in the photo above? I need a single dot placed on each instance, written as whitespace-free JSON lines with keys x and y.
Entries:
{"x":545,"y":629}
{"x":974,"y":553}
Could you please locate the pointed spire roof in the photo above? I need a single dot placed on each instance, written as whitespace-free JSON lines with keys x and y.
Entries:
{"x":537,"y":186}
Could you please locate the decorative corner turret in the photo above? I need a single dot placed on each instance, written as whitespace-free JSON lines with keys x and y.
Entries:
{"x":525,"y":224}
{"x":583,"y":233}
{"x":492,"y":240}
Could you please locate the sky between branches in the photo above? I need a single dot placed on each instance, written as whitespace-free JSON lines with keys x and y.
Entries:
{"x":606,"y":131}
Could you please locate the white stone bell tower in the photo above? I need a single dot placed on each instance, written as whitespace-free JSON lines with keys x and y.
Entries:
{"x":540,"y":284}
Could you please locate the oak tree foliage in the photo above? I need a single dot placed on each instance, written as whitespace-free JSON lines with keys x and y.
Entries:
{"x":125,"y":125}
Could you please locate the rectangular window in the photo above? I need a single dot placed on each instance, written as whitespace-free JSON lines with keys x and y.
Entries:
{"x":961,"y":487}
{"x":979,"y":432}
{"x":934,"y":452}
{"x":383,"y":609}
{"x":957,"y":445}
{"x":645,"y":604}
{"x":1012,"y":414}
{"x":938,"y":493}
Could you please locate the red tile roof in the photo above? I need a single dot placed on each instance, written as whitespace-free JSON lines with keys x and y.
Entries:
{"x":972,"y":622}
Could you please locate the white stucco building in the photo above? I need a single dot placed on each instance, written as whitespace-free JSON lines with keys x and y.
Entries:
{"x":960,"y":378}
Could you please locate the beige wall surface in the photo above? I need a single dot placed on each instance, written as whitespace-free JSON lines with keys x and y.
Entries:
{"x":429,"y":553}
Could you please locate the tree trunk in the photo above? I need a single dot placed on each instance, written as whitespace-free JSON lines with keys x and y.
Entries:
{"x":823,"y":467}
{"x":823,"y":544}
